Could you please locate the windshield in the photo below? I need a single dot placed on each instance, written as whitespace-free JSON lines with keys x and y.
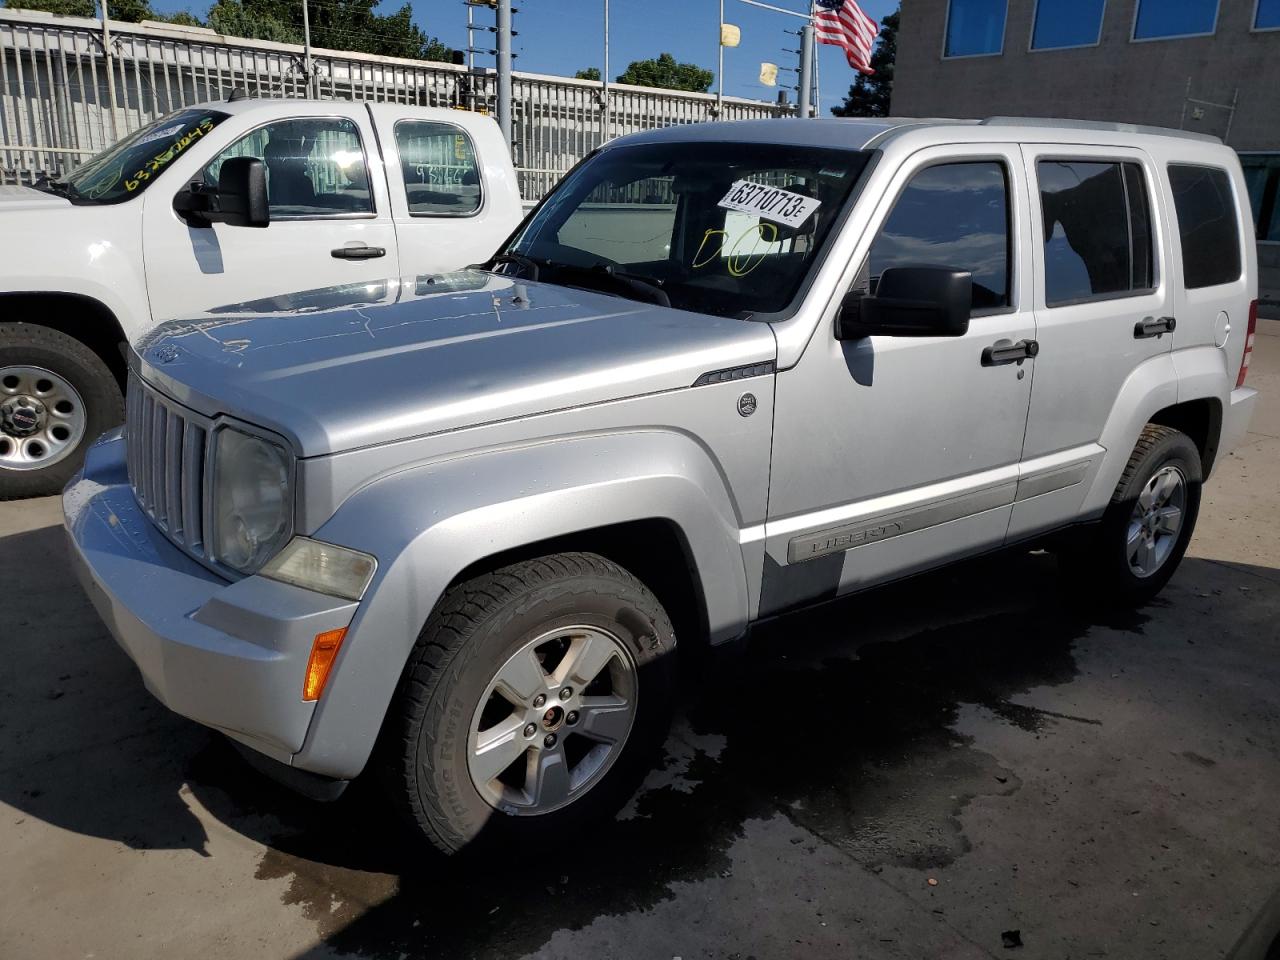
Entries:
{"x":731,"y":229}
{"x":128,"y":168}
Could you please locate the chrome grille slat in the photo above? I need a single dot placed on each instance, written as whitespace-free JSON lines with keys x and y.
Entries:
{"x":193,"y":459}
{"x":166,"y":458}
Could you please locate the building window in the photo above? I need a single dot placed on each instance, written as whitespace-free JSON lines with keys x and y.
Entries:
{"x":975,"y":28}
{"x":1207,"y":225}
{"x":1262,"y":176}
{"x":1161,"y":19}
{"x":1067,"y":23}
{"x":1267,"y":15}
{"x":1097,"y":227}
{"x":954,"y":215}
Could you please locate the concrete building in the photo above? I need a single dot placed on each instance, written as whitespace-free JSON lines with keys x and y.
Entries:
{"x":1206,"y":65}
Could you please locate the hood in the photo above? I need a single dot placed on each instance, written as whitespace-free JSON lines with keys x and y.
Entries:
{"x":352,"y":366}
{"x":27,"y":198}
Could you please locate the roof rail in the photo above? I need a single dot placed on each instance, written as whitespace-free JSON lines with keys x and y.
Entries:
{"x":1102,"y":125}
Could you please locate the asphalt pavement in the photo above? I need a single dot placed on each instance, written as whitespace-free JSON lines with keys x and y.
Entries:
{"x":943,"y":768}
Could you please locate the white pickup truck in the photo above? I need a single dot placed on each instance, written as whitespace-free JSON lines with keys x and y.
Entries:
{"x":163,"y":224}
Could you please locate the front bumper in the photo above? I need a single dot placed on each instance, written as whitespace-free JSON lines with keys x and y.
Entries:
{"x":228,"y":655}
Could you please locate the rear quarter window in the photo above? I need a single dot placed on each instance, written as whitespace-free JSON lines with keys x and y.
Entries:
{"x":1207,"y":222}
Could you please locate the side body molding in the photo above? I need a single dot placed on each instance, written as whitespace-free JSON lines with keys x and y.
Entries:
{"x":427,"y":524}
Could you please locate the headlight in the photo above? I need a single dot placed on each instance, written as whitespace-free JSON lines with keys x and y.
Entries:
{"x":252,"y":505}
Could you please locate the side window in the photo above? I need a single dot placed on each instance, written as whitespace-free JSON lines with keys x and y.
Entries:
{"x":1097,"y":230}
{"x":441,"y":176}
{"x":952,"y":215}
{"x":1207,"y":224}
{"x":315,"y":167}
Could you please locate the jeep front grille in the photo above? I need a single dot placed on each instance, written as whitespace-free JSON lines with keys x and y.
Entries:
{"x":167,"y":450}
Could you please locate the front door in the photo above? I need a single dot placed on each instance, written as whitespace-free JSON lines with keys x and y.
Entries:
{"x":330,"y":218}
{"x":1102,"y":305}
{"x":894,"y":454}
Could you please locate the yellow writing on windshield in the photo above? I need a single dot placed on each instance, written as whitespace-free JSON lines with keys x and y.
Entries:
{"x":162,"y":159}
{"x":738,"y":262}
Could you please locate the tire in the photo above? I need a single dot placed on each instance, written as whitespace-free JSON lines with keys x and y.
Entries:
{"x":45,"y":432}
{"x":1103,"y":561}
{"x":567,"y":610}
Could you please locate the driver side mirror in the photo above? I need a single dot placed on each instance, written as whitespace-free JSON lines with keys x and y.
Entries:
{"x":239,"y":200}
{"x":909,"y":302}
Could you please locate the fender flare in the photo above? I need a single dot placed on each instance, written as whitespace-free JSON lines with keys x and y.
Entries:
{"x":427,"y":524}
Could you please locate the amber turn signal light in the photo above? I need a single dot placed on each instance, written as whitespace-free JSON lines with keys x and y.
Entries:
{"x":324,"y":650}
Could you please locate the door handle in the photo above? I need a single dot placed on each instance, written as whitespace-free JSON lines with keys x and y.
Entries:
{"x":1151,"y":327}
{"x":360,"y":252}
{"x":1006,"y":351}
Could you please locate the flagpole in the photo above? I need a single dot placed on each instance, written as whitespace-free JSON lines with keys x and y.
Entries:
{"x":806,"y":69}
{"x":605,"y":75}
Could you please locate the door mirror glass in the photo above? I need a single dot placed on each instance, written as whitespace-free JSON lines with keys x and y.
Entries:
{"x":910,"y":302}
{"x":242,"y":193}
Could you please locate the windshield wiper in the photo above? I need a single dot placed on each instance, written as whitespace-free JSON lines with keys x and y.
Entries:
{"x":45,"y":184}
{"x":609,"y":279}
{"x":532,"y":265}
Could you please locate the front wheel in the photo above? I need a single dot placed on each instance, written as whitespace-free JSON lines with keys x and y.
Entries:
{"x":1145,"y":531}
{"x":532,"y":703}
{"x":56,"y":397}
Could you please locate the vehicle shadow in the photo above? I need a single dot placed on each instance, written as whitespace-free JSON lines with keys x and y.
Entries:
{"x":828,"y":718}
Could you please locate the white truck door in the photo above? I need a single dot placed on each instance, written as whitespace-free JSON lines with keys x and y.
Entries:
{"x":1103,"y":303}
{"x":330,"y":218}
{"x":453,"y":192}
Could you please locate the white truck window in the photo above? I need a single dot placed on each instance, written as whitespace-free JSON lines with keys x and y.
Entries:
{"x":315,"y":167}
{"x":438,"y":161}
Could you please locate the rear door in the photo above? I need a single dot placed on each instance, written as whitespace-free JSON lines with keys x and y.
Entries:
{"x":330,"y":222}
{"x":453,"y":198}
{"x":1103,"y":296}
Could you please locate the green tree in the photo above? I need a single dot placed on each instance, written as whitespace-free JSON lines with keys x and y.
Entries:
{"x":589,"y":73}
{"x":335,"y":24}
{"x":870,"y":96}
{"x":68,"y":8}
{"x":664,"y":72}
{"x":128,"y":11}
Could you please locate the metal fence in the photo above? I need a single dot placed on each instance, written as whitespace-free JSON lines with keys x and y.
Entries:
{"x":69,"y":88}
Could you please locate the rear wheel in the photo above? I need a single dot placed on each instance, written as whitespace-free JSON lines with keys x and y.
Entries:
{"x":56,"y":397}
{"x":1141,"y":539}
{"x":532,"y":703}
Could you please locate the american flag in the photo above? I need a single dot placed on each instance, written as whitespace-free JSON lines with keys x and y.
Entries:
{"x":843,"y":24}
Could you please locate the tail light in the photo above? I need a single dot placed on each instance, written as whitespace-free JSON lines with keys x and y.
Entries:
{"x":1248,"y":343}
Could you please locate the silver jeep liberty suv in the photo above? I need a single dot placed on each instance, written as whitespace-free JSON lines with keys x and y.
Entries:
{"x":450,"y":528}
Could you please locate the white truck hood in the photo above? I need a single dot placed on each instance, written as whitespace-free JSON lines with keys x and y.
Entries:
{"x":25,"y":198}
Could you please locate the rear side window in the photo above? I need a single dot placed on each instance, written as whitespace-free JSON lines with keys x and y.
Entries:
{"x":1097,"y":230}
{"x":441,"y":178}
{"x":952,"y":215}
{"x":1207,"y":224}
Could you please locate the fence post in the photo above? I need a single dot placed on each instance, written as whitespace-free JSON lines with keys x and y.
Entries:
{"x":111,"y":77}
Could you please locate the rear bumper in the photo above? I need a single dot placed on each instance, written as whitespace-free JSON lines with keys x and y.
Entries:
{"x":1235,"y":419}
{"x":228,"y":655}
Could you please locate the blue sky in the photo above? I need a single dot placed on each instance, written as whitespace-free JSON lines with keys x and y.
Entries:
{"x":563,"y":36}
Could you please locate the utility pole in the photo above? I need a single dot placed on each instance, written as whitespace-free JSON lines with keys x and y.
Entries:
{"x":720,"y":66}
{"x":806,"y":69}
{"x":604,"y":75}
{"x":111,"y":76}
{"x":306,"y":48}
{"x":504,"y":69}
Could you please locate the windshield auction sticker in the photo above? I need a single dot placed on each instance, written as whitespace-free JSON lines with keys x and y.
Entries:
{"x":769,"y":203}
